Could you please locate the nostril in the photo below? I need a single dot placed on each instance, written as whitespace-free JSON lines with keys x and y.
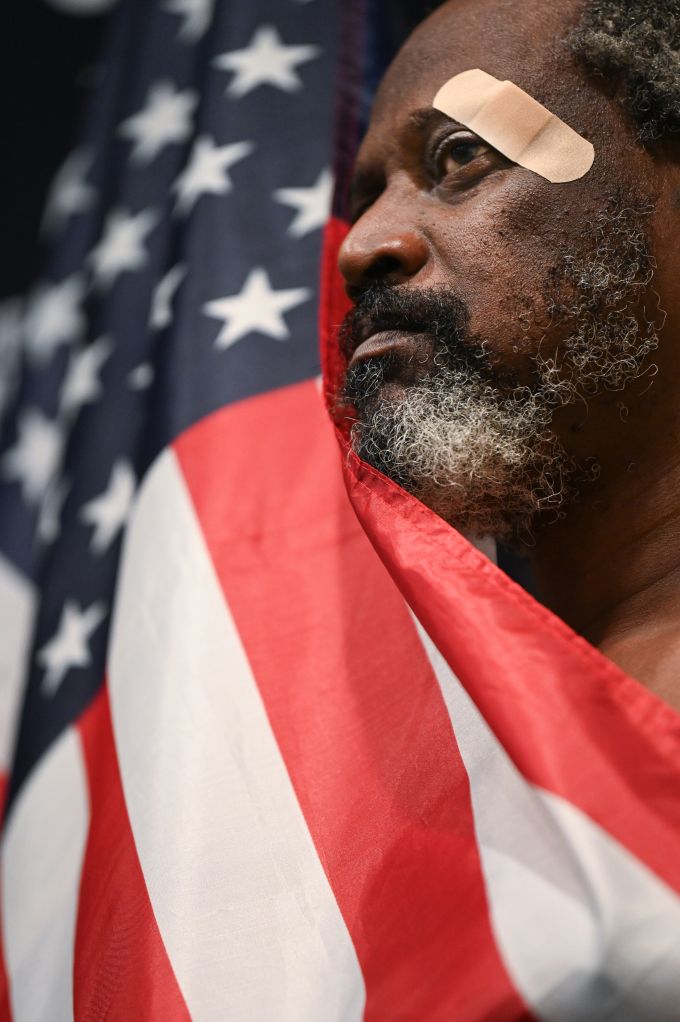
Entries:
{"x":383,"y":267}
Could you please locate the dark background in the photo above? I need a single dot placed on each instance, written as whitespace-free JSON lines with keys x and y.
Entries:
{"x":48,"y":62}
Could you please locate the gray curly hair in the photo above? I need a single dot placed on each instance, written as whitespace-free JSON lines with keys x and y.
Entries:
{"x":636,"y":44}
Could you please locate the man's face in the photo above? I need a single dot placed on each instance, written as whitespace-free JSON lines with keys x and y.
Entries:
{"x":500,"y":320}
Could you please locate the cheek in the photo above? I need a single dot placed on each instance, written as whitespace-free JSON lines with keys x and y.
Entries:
{"x":504,"y":254}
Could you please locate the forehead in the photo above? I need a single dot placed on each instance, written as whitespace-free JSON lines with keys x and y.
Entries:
{"x":521,"y":40}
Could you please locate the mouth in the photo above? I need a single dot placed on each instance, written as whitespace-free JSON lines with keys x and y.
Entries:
{"x":410,"y":344}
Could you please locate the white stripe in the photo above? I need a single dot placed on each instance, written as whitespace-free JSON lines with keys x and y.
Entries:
{"x":250,"y":924}
{"x":587,"y":931}
{"x":17,"y":608}
{"x":41,"y":866}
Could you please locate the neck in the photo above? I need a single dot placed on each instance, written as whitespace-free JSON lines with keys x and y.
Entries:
{"x":612,"y":571}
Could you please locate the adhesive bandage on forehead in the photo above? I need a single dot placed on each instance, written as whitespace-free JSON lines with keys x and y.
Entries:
{"x":517,"y":125}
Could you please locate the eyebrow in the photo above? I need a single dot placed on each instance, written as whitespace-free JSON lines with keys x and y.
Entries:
{"x":366,"y":183}
{"x":421,"y":121}
{"x":425,"y":118}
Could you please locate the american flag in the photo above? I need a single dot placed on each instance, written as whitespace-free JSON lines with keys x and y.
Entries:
{"x":289,"y":748}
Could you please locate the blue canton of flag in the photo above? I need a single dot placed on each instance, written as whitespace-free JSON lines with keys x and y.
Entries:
{"x":186,"y":233}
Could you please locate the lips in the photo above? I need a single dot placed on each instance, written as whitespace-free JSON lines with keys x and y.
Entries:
{"x":374,"y":335}
{"x":382,"y":342}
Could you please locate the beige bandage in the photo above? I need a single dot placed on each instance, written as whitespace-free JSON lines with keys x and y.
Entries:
{"x":516,"y":125}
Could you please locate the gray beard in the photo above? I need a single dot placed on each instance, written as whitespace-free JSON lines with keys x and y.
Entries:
{"x":488,"y":461}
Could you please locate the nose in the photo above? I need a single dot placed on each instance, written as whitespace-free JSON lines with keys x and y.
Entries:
{"x":381,"y":248}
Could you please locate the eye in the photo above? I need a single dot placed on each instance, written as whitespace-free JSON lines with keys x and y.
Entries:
{"x":457,"y":151}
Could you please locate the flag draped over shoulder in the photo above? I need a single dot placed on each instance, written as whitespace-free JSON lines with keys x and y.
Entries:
{"x":557,"y":795}
{"x":288,"y":749}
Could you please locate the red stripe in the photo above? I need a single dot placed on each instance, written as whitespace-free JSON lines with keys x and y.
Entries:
{"x":121,"y":968}
{"x":5,"y":1004}
{"x":333,"y":304}
{"x":355,"y":708}
{"x":570,"y":720}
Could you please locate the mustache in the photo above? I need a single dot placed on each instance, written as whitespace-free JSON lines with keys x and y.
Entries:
{"x":437,"y":313}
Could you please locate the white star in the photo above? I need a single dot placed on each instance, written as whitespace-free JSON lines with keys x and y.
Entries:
{"x":197,"y":16}
{"x":161,"y":303}
{"x":207,"y":170}
{"x":141,"y":376}
{"x":312,"y":204}
{"x":109,"y":511}
{"x":256,"y":309}
{"x":69,"y":647}
{"x":54,"y":317}
{"x":122,"y":246}
{"x":35,"y":457}
{"x":266,"y":61}
{"x":81,"y":384}
{"x":165,"y":119}
{"x":70,"y":192}
{"x":49,"y":518}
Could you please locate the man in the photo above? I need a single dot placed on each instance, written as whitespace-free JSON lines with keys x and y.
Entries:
{"x":514,"y":355}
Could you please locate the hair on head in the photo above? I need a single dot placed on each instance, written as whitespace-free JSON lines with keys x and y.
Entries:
{"x":637,"y":44}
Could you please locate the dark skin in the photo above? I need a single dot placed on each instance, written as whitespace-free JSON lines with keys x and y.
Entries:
{"x":467,"y":219}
